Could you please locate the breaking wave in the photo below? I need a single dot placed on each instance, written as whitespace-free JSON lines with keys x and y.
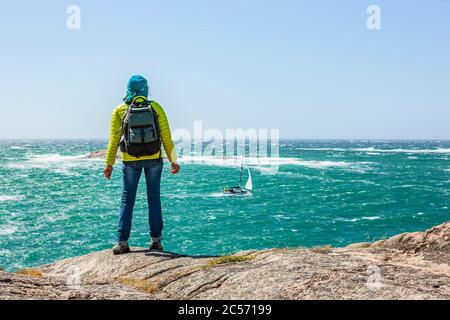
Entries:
{"x":10,"y":198}
{"x":359,"y":219}
{"x":265,"y":162}
{"x":55,"y":162}
{"x":425,"y":151}
{"x":373,"y":150}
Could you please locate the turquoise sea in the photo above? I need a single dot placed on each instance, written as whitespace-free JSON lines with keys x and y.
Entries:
{"x":55,"y":203}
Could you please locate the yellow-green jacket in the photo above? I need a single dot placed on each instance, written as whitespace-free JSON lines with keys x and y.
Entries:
{"x":115,"y":133}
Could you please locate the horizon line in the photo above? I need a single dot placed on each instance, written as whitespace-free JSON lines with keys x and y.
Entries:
{"x":287,"y":138}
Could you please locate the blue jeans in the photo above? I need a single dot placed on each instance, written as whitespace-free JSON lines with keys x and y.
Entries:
{"x":131,"y":173}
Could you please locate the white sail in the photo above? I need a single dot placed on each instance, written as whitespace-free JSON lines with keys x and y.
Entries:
{"x":249,"y":184}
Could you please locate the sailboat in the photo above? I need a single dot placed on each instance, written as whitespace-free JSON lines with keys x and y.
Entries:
{"x":239,"y":190}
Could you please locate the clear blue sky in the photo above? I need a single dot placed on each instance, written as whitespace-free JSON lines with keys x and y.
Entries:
{"x":310,"y":68}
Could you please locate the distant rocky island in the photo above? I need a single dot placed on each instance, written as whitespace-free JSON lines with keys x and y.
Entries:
{"x":407,"y":266}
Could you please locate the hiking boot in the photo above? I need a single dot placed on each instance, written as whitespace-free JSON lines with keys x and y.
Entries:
{"x":156,"y":245}
{"x":121,"y":247}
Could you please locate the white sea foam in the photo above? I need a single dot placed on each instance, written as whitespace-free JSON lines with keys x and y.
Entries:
{"x":55,"y":158}
{"x":372,"y":150}
{"x":369,"y":149}
{"x":55,"y":162}
{"x":322,"y":149}
{"x":17,"y":148}
{"x":200,"y":195}
{"x":404,"y":186}
{"x":349,"y":220}
{"x":423,"y":151}
{"x":54,"y":217}
{"x":221,"y":194}
{"x":264,"y":162}
{"x":7,"y":230}
{"x":370,"y":218}
{"x":447,"y":170}
{"x":10,"y":198}
{"x":5,"y":252}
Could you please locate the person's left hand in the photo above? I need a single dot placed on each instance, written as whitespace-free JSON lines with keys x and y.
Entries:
{"x":107,"y":172}
{"x":175,"y":168}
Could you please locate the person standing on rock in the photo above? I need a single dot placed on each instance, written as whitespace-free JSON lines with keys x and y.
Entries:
{"x":139,"y":126}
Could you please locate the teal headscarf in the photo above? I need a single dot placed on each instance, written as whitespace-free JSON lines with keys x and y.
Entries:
{"x":137,"y":86}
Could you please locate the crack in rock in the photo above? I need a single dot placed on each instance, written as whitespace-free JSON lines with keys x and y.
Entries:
{"x":213,"y":284}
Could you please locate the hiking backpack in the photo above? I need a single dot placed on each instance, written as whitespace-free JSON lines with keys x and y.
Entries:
{"x":140,"y":130}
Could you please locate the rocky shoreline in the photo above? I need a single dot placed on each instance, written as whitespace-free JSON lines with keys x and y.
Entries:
{"x":408,"y":266}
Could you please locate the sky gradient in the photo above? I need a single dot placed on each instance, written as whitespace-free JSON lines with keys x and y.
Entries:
{"x":309,"y":68}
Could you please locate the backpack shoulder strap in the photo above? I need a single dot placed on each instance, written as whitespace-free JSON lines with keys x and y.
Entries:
{"x":153,"y":108}
{"x":127,"y":111}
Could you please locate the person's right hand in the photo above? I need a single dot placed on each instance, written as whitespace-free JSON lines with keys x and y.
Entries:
{"x":107,"y":172}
